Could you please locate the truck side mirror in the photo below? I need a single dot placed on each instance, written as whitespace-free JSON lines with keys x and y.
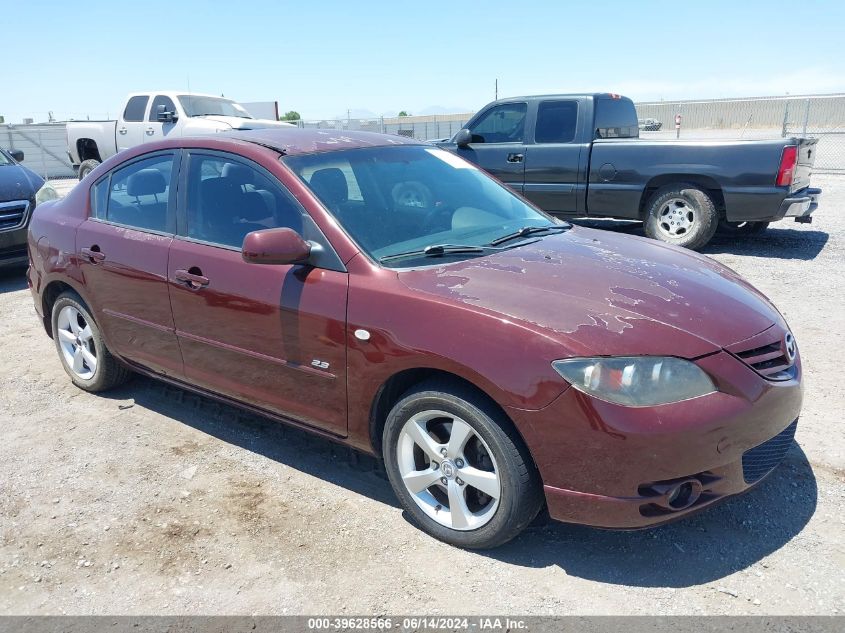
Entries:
{"x":463,"y":138}
{"x":17,"y":155}
{"x":164,"y":116}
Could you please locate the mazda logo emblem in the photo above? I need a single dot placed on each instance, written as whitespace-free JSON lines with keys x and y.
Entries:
{"x":789,"y":347}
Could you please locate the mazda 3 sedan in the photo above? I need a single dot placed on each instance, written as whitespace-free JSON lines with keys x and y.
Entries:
{"x":391,"y":296}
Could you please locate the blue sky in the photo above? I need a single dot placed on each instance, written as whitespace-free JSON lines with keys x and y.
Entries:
{"x":324,"y":57}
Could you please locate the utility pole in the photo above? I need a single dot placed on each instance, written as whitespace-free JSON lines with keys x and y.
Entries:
{"x":496,"y":90}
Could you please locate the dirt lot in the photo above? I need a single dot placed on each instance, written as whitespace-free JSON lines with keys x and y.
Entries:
{"x":154,"y":501}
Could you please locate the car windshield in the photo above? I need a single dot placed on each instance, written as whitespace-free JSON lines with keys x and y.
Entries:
{"x":194,"y":105}
{"x":4,"y":160}
{"x":407,"y":202}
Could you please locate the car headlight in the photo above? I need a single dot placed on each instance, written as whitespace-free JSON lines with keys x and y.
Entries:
{"x":46,"y":193}
{"x":636,"y":381}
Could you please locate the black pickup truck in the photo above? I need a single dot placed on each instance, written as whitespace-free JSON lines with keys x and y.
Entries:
{"x":581,"y":156}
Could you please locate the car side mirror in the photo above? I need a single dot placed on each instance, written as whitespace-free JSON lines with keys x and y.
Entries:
{"x":463,"y":138}
{"x":164,"y":116}
{"x":275,"y":246}
{"x":17,"y":155}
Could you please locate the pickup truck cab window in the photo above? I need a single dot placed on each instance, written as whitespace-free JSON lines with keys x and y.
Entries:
{"x":556,"y":122}
{"x":615,"y":118}
{"x":139,"y":195}
{"x":503,"y":123}
{"x":135,"y":108}
{"x":227,"y":198}
{"x":164,"y":100}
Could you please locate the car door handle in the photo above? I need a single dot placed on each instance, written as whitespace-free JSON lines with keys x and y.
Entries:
{"x":93,"y":254}
{"x":192,"y":280}
{"x":515,"y":158}
{"x":122,"y":130}
{"x":150,"y":131}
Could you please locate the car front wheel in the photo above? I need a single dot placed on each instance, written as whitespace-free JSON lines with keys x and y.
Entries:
{"x":459,"y":468}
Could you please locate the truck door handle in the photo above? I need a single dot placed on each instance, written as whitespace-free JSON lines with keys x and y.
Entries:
{"x":150,"y":131}
{"x":195,"y":281}
{"x":515,"y":158}
{"x":122,"y":130}
{"x":93,"y":254}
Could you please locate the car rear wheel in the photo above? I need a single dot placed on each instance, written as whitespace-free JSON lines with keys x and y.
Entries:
{"x":81,"y":349}
{"x":87,"y":166}
{"x":682,"y":214}
{"x":459,"y":468}
{"x":741,"y":228}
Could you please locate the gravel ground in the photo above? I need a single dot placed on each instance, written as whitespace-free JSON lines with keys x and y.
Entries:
{"x":150,"y":500}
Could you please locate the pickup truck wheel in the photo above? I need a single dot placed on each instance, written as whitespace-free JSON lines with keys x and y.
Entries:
{"x":741,"y":228}
{"x":81,"y":348}
{"x":681,"y":214}
{"x":459,"y":469}
{"x":87,"y":166}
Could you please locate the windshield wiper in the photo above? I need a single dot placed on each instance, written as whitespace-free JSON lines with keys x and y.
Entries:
{"x":436,"y":250}
{"x":526,"y":231}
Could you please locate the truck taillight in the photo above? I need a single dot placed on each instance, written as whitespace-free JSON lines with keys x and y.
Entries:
{"x":786,"y":171}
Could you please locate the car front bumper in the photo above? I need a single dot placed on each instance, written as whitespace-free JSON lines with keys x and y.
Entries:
{"x":612,"y":466}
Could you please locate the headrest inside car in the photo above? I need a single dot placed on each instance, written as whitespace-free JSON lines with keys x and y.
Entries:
{"x":147,"y":182}
{"x":239,"y":174}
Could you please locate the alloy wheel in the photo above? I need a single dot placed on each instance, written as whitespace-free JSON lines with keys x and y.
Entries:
{"x":76,"y":341}
{"x":676,"y":218}
{"x":449,"y":470}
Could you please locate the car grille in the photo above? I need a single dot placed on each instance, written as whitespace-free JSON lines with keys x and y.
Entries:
{"x":760,"y":460}
{"x":770,"y":361}
{"x":13,"y":214}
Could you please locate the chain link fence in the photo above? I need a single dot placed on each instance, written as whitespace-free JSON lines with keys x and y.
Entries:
{"x":819,"y":116}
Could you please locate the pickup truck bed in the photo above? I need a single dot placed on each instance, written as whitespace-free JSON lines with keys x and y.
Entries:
{"x":581,"y":156}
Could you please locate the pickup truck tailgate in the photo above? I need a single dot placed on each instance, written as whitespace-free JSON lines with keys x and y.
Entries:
{"x":806,"y":158}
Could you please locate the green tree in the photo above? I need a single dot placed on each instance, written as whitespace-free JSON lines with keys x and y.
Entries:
{"x":403,"y":113}
{"x":291,"y":115}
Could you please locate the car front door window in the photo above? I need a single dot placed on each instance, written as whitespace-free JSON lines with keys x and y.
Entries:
{"x":501,"y":124}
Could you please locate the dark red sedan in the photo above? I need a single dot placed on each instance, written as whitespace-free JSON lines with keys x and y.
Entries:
{"x":389,"y":295}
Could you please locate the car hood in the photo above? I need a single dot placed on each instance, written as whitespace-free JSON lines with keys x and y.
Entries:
{"x":239,"y":123}
{"x":602,"y":293}
{"x":18,"y":183}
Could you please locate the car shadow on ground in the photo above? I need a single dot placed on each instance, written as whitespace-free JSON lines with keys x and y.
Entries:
{"x":715,"y":543}
{"x":12,"y":279}
{"x":294,"y":447}
{"x":778,"y":241}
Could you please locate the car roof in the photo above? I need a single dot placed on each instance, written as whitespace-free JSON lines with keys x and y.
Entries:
{"x":293,"y":140}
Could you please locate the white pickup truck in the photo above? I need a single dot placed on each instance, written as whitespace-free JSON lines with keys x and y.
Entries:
{"x":151,"y":116}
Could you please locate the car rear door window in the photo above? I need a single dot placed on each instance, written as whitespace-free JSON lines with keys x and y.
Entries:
{"x":228,"y":198}
{"x":164,"y":100}
{"x":139,"y":195}
{"x":135,"y":108}
{"x":556,"y":122}
{"x":503,"y":123}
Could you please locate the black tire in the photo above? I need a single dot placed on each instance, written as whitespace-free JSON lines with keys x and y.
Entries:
{"x":521,"y":494}
{"x":87,"y":166}
{"x":696,"y":202}
{"x":741,"y":228}
{"x":109,"y":371}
